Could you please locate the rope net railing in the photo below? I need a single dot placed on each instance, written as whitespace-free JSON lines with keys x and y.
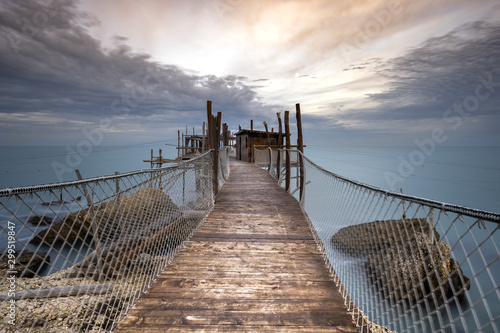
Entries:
{"x":402,"y":263}
{"x":76,"y":256}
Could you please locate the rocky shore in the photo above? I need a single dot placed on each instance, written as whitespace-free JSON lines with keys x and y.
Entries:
{"x":406,"y":258}
{"x":138,"y":209}
{"x":92,"y":312}
{"x":138,"y":234}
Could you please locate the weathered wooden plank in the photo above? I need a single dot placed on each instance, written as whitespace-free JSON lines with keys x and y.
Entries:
{"x":292,"y":247}
{"x":274,"y":305}
{"x":252,"y":267}
{"x":223,"y":317}
{"x":240,"y":328}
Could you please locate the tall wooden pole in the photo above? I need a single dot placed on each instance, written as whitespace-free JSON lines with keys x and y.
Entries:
{"x":300,"y":144}
{"x":216,"y":140}
{"x":269,"y":147}
{"x":287,"y":154}
{"x":178,"y":145}
{"x":280,"y":144}
{"x":212,"y":124}
{"x":267,"y":134}
{"x":203,"y":139}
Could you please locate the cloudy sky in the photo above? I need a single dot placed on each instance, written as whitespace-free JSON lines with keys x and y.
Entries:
{"x":366,"y":72}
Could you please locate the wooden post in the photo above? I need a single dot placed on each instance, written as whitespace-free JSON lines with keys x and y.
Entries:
{"x":225,"y":136}
{"x":251,"y":125}
{"x":160,"y":160}
{"x":214,"y":144}
{"x":203,"y":139}
{"x":300,"y":147}
{"x":218,"y":129}
{"x":183,"y":144}
{"x":404,"y":208}
{"x":269,"y":147}
{"x":95,"y":231}
{"x":178,"y":144}
{"x":287,"y":154}
{"x":267,"y":134}
{"x":217,"y":125}
{"x":117,"y":187}
{"x":151,"y":159}
{"x":210,"y":136}
{"x":280,"y":141}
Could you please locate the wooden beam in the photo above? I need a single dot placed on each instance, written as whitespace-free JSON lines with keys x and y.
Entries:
{"x":287,"y":154}
{"x":64,"y":291}
{"x":267,"y":134}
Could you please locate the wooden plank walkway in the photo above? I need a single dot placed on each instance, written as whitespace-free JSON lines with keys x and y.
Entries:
{"x":252,"y":267}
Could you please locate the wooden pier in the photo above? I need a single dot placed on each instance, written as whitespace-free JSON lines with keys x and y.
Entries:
{"x":252,"y":267}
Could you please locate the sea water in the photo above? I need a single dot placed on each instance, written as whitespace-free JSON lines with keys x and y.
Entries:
{"x":467,"y":176}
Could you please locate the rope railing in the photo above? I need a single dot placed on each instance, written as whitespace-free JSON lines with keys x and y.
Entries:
{"x":77,"y":255}
{"x":402,"y":263}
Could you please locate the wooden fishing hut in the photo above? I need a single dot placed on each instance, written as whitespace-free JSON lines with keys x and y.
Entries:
{"x":246,"y":140}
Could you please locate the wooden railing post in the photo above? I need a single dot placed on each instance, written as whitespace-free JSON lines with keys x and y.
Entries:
{"x":269,"y":147}
{"x":280,"y":141}
{"x":217,"y":126}
{"x":300,"y":147}
{"x":93,"y":227}
{"x":287,"y":154}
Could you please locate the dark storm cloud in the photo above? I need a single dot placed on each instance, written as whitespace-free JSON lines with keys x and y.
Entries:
{"x":50,"y":64}
{"x":444,"y":71}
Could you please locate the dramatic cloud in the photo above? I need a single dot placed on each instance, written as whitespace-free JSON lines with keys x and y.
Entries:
{"x":56,"y":77}
{"x":448,"y":81}
{"x":365,"y":72}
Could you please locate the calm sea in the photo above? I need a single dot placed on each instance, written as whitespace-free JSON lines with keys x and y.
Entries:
{"x":468,"y":176}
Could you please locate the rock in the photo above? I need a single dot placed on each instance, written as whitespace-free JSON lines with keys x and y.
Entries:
{"x":404,"y":259}
{"x":133,"y":212}
{"x":112,"y":219}
{"x":40,"y":220}
{"x":459,"y":281}
{"x":375,"y":236}
{"x":74,"y":226}
{"x":26,"y":265}
{"x":414,"y":270}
